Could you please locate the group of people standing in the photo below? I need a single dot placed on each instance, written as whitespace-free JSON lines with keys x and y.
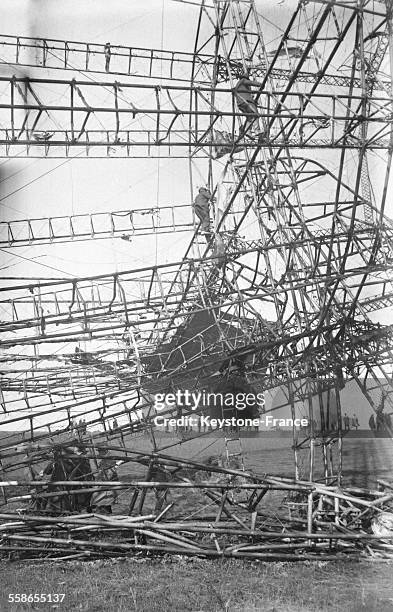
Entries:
{"x":71,"y":462}
{"x":380,"y":421}
{"x":350,"y":422}
{"x":78,"y":428}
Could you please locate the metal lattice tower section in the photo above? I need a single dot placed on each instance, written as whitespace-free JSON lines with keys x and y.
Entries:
{"x":302,"y":275}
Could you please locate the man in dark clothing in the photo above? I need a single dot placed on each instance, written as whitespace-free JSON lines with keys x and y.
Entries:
{"x":245,"y":99}
{"x":380,"y":420}
{"x":107,"y":53}
{"x":371,"y":423}
{"x":68,"y":463}
{"x":102,"y":501}
{"x":346,"y":422}
{"x":158,"y":474}
{"x":201,"y":208}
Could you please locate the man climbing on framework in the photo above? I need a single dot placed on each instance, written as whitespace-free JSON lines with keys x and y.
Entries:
{"x":245,"y":99}
{"x":107,"y":53}
{"x":201,"y":206}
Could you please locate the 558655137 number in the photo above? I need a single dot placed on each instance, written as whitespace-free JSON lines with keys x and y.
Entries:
{"x":36,"y":597}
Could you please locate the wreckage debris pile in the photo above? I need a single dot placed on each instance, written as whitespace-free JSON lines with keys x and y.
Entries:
{"x":321,"y":521}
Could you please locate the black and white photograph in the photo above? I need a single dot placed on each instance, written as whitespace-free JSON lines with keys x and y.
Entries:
{"x":196,"y":300}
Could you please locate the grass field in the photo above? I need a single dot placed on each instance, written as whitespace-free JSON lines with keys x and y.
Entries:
{"x":180,"y":585}
{"x":364,"y":458}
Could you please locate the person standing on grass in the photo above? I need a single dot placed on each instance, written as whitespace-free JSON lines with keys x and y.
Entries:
{"x":102,"y":501}
{"x":380,"y":420}
{"x":346,"y":422}
{"x":158,"y":474}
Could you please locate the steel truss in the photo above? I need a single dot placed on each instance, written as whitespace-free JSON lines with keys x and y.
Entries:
{"x":126,"y":223}
{"x":292,"y":304}
{"x":326,"y":121}
{"x":87,"y":57}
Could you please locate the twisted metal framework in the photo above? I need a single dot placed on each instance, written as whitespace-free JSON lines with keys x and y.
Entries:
{"x":125,"y":223}
{"x":330,"y":121}
{"x":294,"y":300}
